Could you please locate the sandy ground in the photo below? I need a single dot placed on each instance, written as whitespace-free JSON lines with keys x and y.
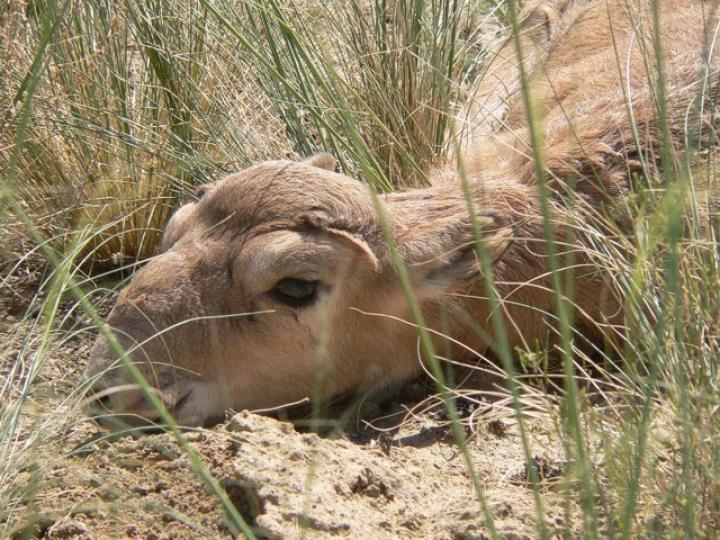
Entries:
{"x":286,"y":484}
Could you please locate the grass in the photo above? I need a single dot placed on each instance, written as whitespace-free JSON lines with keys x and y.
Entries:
{"x":116,"y":111}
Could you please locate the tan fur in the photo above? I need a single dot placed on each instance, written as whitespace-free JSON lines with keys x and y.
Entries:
{"x":222,"y":256}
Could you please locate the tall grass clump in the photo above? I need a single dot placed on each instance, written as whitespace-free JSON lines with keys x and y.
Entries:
{"x":370,"y":82}
{"x":138,"y":103}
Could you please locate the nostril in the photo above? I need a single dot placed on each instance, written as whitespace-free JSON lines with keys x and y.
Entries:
{"x":101,"y":392}
{"x":103,"y":401}
{"x":100,"y":400}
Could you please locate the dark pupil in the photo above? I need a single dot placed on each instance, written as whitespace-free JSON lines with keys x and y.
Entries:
{"x":295,"y":292}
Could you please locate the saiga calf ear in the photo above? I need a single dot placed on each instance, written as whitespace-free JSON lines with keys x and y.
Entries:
{"x":444,"y":257}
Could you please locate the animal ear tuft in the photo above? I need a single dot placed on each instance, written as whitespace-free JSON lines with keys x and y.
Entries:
{"x":322,"y":160}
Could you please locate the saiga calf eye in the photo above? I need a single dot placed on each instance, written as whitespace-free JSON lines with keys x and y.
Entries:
{"x":295,"y":292}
